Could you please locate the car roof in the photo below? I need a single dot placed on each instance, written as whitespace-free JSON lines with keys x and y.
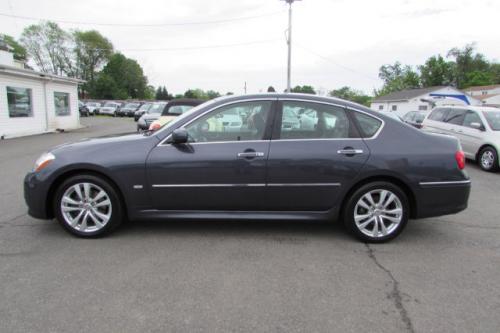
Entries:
{"x":469,"y":107}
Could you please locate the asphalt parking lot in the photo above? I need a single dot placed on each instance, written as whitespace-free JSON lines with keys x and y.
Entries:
{"x":441,"y":275}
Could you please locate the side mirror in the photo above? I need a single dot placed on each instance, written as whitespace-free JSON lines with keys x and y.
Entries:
{"x":179,"y":136}
{"x":477,"y":126}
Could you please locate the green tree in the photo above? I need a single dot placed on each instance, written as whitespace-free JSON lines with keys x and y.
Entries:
{"x":436,"y":72}
{"x":19,"y":51}
{"x":105,"y":87}
{"x":397,"y":77}
{"x":50,"y":47}
{"x":149,"y":93}
{"x":200,"y":94}
{"x":350,"y":94}
{"x":468,"y":61}
{"x":271,"y":89}
{"x":91,"y":50}
{"x":127,"y":74}
{"x":304,"y":90}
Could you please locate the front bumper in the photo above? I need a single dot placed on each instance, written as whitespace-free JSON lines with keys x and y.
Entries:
{"x":36,"y":195}
{"x":442,"y":198}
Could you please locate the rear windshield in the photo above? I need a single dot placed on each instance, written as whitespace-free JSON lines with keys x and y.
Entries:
{"x":157,"y":108}
{"x":132,"y":106}
{"x":110,"y":104}
{"x":177,"y":109}
{"x":493,"y":119}
{"x":145,"y":107}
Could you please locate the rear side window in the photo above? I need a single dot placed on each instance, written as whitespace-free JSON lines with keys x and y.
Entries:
{"x":309,"y":120}
{"x":367,"y":125}
{"x":438,"y":114}
{"x":455,"y":116}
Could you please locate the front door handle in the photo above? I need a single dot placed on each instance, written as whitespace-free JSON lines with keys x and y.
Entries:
{"x":250,"y":154}
{"x":348,"y":151}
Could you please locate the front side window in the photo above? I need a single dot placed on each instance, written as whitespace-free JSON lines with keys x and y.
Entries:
{"x":19,"y":101}
{"x":236,"y":122}
{"x":367,"y":125}
{"x":471,"y":117}
{"x":394,"y":108}
{"x":493,"y":119}
{"x":61,"y":103}
{"x":308,"y":120}
{"x":455,"y":116}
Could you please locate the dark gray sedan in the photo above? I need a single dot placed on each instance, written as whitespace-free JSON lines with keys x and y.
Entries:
{"x":268,"y":156}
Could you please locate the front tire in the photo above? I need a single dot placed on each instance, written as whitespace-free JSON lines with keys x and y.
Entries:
{"x":88,"y":206}
{"x":377,"y":212}
{"x":488,"y":159}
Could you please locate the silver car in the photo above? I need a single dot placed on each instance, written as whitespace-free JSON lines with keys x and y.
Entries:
{"x":477,"y":128}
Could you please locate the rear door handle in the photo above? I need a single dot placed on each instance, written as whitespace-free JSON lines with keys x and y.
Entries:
{"x":251,"y":154}
{"x":350,"y":151}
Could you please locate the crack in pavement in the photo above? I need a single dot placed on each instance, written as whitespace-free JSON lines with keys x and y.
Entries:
{"x":395,"y":294}
{"x":13,"y":218}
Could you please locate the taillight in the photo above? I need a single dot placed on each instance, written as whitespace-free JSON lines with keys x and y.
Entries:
{"x":154,"y":127}
{"x":460,"y":158}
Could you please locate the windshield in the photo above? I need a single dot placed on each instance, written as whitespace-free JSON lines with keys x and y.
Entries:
{"x":145,"y":107}
{"x":157,"y":108}
{"x":110,"y":104}
{"x":493,"y":119}
{"x":131,"y":106}
{"x":420,"y":116}
{"x":92,"y":104}
{"x":179,"y":109}
{"x":188,"y":113}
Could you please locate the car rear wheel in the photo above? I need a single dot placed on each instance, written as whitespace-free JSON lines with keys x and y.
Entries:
{"x":87,"y":206}
{"x":377,"y":212}
{"x":488,"y":159}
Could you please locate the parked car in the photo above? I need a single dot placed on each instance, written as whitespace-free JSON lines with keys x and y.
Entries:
{"x":93,"y":107}
{"x":151,"y":115}
{"x":415,"y":118}
{"x":83,"y":109}
{"x":477,"y":128}
{"x":173,"y":109}
{"x":110,"y":108}
{"x":128,"y":109}
{"x":143,"y":109}
{"x":370,"y":171}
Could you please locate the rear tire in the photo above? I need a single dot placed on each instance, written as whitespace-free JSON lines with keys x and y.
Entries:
{"x":88,"y":206}
{"x":377,"y":212}
{"x":488,"y":159}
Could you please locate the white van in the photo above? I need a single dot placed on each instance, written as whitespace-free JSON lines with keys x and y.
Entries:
{"x":477,"y":128}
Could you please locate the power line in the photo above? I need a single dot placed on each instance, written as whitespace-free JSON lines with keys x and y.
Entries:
{"x":143,"y":25}
{"x":337,"y":64}
{"x":184,"y":48}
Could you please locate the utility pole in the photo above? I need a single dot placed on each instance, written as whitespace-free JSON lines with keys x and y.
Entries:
{"x":245,"y":87}
{"x":289,"y":42}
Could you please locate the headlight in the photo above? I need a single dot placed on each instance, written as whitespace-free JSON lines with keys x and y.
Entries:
{"x":43,"y":161}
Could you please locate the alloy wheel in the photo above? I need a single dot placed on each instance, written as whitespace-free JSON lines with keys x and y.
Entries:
{"x":487,"y":159}
{"x":378,"y":213}
{"x":86,"y":207}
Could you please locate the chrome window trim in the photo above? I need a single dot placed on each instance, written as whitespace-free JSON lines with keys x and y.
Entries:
{"x":245,"y":185}
{"x":453,"y":182}
{"x":349,"y":108}
{"x":268,"y":99}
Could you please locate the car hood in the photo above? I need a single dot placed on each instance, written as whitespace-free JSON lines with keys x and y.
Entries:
{"x":121,"y":139}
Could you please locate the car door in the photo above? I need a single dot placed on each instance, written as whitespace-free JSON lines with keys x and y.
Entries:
{"x":222,"y":167}
{"x":454,"y":120}
{"x":471,"y":133}
{"x":435,"y":121}
{"x":308,"y":164}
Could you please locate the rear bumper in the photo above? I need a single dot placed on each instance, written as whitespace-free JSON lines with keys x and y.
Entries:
{"x":442,"y":198}
{"x":35,"y":195}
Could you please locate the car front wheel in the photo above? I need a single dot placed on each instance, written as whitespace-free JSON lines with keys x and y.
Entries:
{"x":488,"y":159}
{"x":377,"y":212}
{"x":87,"y":206}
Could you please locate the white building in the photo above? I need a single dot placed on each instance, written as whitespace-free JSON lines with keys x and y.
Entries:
{"x":489,"y":95}
{"x":33,"y":102}
{"x":407,"y":100}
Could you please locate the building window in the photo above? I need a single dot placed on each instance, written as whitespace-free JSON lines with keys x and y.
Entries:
{"x":19,"y":101}
{"x":61,"y":102}
{"x":380,"y":107}
{"x":394,"y":108}
{"x":422,"y":107}
{"x":484,"y":93}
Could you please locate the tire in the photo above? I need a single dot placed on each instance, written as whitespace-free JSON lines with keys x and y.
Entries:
{"x":488,"y":159}
{"x":373,"y":223}
{"x":82,"y":211}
